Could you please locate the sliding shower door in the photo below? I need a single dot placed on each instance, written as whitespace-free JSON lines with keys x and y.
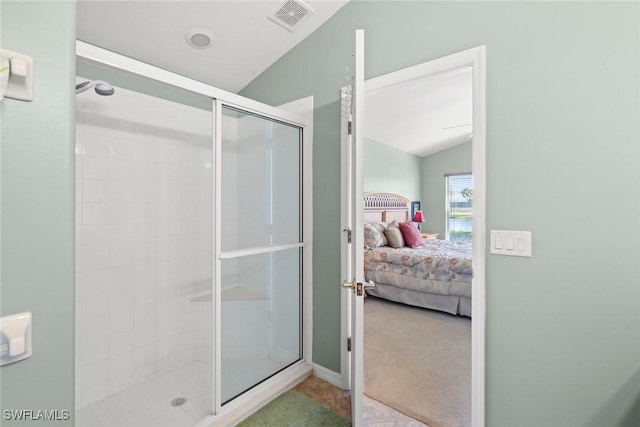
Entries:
{"x":259,"y":248}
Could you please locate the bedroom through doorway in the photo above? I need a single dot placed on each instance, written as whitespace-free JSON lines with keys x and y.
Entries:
{"x":418,"y":171}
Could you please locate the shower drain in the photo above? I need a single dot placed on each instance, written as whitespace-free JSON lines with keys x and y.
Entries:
{"x":178,"y":401}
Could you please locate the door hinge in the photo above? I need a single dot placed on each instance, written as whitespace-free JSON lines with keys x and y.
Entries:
{"x":348,"y":344}
{"x":349,"y":128}
{"x":348,"y":230}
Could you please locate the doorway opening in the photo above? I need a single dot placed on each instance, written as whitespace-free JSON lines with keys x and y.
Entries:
{"x":472,"y":63}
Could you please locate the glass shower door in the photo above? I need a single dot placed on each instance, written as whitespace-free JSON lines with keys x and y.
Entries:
{"x":260,"y":249}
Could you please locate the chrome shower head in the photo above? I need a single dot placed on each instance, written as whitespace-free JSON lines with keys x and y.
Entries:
{"x":101,"y":87}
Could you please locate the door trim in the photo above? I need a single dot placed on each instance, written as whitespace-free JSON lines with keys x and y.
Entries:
{"x":474,"y":58}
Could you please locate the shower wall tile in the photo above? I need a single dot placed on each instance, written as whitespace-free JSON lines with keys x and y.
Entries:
{"x":120,"y":342}
{"x":120,"y":383}
{"x":95,"y":373}
{"x":96,"y":168}
{"x":121,"y":235}
{"x":95,"y":190}
{"x":144,"y":226}
{"x":121,"y":321}
{"x":95,"y":349}
{"x":121,"y":364}
{"x":121,"y":299}
{"x":145,"y":356}
{"x":95,"y":326}
{"x":94,"y":393}
{"x":123,"y":151}
{"x":93,"y":301}
{"x":96,"y":143}
{"x":122,"y":256}
{"x":94,"y":213}
{"x":123,"y":168}
{"x":144,"y":373}
{"x":95,"y":236}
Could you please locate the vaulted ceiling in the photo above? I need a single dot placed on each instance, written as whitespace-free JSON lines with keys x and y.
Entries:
{"x":245,"y":40}
{"x":422,"y":117}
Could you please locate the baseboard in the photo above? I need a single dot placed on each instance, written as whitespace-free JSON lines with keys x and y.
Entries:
{"x":250,"y":402}
{"x":327,"y":375}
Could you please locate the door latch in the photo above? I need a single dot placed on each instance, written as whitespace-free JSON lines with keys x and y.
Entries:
{"x":358,"y":288}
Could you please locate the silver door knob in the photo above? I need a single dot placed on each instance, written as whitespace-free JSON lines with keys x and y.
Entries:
{"x":358,"y":288}
{"x":349,"y":285}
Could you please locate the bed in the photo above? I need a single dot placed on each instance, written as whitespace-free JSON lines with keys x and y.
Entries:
{"x":436,"y":275}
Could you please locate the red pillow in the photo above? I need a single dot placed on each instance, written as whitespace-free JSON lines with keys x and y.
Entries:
{"x":411,"y":234}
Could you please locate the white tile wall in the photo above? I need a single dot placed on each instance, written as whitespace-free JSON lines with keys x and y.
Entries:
{"x":202,"y":323}
{"x":144,"y":227}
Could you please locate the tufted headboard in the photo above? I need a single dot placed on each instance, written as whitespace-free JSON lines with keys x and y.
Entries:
{"x":385,"y":207}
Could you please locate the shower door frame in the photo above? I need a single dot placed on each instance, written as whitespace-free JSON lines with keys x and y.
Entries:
{"x":253,"y":399}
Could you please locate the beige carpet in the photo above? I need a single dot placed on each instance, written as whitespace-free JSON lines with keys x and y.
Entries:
{"x":419,"y":362}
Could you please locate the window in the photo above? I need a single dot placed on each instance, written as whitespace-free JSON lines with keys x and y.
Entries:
{"x":459,"y":205}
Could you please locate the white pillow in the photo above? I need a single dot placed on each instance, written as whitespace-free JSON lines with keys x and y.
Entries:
{"x":373,"y":238}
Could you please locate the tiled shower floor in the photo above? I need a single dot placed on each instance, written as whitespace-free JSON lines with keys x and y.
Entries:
{"x":149,"y":403}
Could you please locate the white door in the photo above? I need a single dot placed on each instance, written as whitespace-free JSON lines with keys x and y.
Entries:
{"x":352,"y":224}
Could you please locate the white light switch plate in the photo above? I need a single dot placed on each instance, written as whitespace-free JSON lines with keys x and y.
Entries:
{"x":511,"y":243}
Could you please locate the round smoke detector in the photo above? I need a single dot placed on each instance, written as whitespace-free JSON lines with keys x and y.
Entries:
{"x":199,"y":38}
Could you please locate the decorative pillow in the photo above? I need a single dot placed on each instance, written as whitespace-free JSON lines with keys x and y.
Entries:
{"x":394,"y":235}
{"x":373,"y":238}
{"x":411,"y":234}
{"x":380,"y":226}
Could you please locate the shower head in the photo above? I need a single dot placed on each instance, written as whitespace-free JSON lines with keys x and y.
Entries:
{"x":101,"y":87}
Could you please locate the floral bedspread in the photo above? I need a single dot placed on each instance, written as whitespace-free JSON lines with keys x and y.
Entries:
{"x":441,"y":267}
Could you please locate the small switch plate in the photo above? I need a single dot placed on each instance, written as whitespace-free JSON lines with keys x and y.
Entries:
{"x":511,"y":243}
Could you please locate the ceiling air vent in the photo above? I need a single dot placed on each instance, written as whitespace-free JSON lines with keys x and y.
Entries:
{"x":290,"y":14}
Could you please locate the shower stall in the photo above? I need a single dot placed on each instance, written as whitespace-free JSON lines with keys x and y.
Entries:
{"x":192,"y":266}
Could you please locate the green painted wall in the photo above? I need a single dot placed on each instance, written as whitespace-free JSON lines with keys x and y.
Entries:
{"x":452,"y":160}
{"x":389,"y":170}
{"x":37,"y":202}
{"x":563,"y":161}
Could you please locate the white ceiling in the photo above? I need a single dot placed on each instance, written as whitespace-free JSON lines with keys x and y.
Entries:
{"x":246,"y":41}
{"x":422,"y":116}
